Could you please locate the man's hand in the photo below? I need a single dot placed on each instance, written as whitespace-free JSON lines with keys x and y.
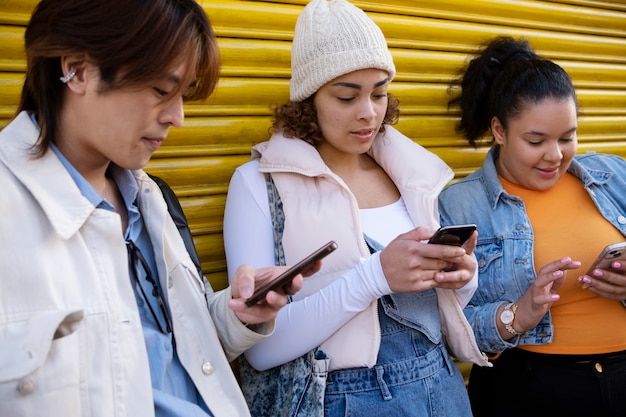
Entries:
{"x":247,"y":278}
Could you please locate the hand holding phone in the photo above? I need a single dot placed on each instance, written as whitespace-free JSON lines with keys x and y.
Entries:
{"x":454,"y":235}
{"x":286,"y":277}
{"x":611,"y":253}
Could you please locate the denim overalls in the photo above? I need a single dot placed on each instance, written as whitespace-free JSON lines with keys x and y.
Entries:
{"x":413,"y":375}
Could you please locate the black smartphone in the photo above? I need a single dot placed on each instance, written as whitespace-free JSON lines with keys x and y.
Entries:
{"x":611,"y":253}
{"x":454,"y":235}
{"x":286,"y":277}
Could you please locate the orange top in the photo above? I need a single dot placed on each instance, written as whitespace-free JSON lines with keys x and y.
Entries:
{"x":566,"y":222}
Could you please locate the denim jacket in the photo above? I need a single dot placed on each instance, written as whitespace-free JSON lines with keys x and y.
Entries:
{"x":504,"y":228}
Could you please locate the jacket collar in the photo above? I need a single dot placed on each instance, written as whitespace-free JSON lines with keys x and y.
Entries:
{"x":45,"y":178}
{"x":393,"y":151}
{"x":587,"y":175}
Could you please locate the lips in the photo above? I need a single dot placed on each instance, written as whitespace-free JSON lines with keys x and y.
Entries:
{"x":363,"y":134}
{"x":548,"y":173}
{"x":154,"y":142}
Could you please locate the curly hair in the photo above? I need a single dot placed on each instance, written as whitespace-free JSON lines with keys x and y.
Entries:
{"x":298,"y":120}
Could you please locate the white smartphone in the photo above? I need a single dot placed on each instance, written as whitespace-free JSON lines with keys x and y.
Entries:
{"x":611,"y":253}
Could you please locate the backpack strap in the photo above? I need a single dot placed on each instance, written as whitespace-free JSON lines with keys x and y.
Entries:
{"x":177,"y":214}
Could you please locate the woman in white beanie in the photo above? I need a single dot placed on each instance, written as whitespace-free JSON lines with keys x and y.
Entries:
{"x":366,"y":333}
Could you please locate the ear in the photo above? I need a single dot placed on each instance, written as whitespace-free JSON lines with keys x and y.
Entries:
{"x":499,"y":133}
{"x":80,"y":65}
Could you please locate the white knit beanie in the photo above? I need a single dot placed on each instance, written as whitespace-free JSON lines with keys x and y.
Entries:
{"x":333,"y":38}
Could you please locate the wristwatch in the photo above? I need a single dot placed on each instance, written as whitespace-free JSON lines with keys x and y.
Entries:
{"x":508,"y":316}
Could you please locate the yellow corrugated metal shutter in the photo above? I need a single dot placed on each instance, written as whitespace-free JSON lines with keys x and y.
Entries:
{"x":430,"y":40}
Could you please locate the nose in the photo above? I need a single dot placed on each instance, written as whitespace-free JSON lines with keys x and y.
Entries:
{"x":173,"y":113}
{"x":367,"y":110}
{"x":554,"y":153}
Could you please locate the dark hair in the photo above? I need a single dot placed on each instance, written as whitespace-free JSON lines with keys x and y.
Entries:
{"x":298,"y":120}
{"x":506,"y":76}
{"x":132,"y":42}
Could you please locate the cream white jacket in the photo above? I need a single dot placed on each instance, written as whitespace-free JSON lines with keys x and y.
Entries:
{"x":312,"y":195}
{"x":71,"y":342}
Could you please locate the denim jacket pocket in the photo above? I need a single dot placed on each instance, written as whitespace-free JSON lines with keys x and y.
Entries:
{"x":40,"y":365}
{"x":490,"y":259}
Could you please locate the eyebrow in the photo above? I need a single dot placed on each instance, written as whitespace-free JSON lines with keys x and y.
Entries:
{"x":358,"y":86}
{"x":176,"y":80}
{"x":537,"y":133}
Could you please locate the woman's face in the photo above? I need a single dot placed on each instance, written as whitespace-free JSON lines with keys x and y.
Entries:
{"x":537,"y":147}
{"x":124,"y":126}
{"x":350,"y":110}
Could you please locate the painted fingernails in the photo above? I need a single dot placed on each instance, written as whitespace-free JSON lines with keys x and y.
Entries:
{"x":585,"y":282}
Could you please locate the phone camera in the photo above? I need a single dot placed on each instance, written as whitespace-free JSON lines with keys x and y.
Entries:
{"x":614,"y":254}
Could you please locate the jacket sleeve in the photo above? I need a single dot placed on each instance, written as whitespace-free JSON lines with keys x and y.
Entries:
{"x":481,"y":315}
{"x":234,"y":336}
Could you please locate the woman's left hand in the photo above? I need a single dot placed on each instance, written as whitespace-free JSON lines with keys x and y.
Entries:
{"x":607,"y":283}
{"x":464,"y":267}
{"x":247,"y":278}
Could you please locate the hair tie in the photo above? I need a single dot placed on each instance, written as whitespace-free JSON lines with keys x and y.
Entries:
{"x":495,"y":60}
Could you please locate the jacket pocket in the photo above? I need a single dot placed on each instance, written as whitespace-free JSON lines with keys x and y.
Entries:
{"x":40,"y":365}
{"x":490,"y":261}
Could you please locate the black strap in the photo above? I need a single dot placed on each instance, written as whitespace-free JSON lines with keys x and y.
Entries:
{"x":177,"y":214}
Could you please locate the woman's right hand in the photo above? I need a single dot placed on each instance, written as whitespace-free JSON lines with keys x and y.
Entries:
{"x":540,"y":296}
{"x":411,"y":265}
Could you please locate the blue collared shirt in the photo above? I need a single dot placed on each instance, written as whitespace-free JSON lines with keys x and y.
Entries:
{"x":173,"y":390}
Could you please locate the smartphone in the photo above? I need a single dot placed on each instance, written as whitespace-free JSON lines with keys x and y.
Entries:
{"x":611,"y":253}
{"x":454,"y":235}
{"x":286,"y":277}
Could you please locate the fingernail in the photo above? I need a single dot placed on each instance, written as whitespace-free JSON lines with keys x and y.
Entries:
{"x":597,"y":273}
{"x":555,"y":297}
{"x":617,"y":265}
{"x":585,"y":280}
{"x":566,"y":260}
{"x":557,"y":273}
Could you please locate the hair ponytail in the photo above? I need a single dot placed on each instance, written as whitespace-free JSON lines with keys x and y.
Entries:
{"x":504,"y":76}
